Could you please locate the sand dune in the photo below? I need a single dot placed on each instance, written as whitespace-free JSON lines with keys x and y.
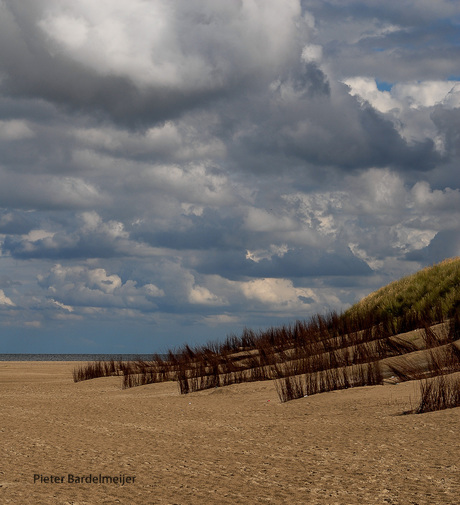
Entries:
{"x":223,"y":446}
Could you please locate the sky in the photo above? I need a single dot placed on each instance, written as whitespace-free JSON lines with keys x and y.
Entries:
{"x":175,"y":171}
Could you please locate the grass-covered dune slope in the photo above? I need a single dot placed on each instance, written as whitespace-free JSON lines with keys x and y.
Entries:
{"x":431,"y":293}
{"x":408,"y":330}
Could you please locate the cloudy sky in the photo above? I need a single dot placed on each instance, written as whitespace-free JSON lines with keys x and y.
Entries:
{"x":172,"y":171}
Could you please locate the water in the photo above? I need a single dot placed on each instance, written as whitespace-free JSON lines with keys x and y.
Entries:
{"x":73,"y":357}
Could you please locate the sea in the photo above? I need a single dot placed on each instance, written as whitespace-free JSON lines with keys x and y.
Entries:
{"x":74,"y":357}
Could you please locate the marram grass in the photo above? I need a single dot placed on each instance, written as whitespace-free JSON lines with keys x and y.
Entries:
{"x":329,"y":352}
{"x":432,"y":292}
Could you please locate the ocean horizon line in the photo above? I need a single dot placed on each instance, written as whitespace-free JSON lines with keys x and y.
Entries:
{"x":76,"y":356}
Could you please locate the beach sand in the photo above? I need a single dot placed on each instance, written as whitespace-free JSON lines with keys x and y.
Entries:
{"x":233,"y":445}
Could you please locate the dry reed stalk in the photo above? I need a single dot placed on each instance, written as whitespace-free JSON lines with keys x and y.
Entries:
{"x":298,"y":386}
{"x":439,"y":393}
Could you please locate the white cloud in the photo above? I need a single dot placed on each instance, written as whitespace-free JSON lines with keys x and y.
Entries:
{"x":316,"y":210}
{"x":4,"y":300}
{"x":33,"y":324}
{"x":376,"y":215}
{"x":424,"y":197}
{"x":98,"y":279}
{"x":409,"y":104}
{"x":15,"y":130}
{"x":352,"y":30}
{"x":92,"y":222}
{"x":278,"y":294}
{"x":219,"y":319}
{"x":82,"y":287}
{"x":179,"y":140}
{"x":158,"y":43}
{"x":68,"y":308}
{"x":427,"y":93}
{"x":312,"y":53}
{"x":70,"y":31}
{"x":260,"y":254}
{"x":263,"y":220}
{"x":202,"y":296}
{"x":380,"y":192}
{"x":366,"y":89}
{"x":35,"y":235}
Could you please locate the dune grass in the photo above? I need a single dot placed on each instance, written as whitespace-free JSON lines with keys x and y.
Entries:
{"x":431,"y":294}
{"x":97,"y":369}
{"x":439,"y":393}
{"x":329,"y":352}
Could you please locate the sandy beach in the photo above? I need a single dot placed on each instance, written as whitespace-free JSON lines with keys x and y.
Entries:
{"x":91,"y":443}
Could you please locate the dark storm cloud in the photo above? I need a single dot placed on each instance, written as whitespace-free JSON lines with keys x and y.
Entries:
{"x":212,"y":229}
{"x":315,"y":128}
{"x":296,"y":263}
{"x":15,"y":223}
{"x":60,"y":247}
{"x":41,"y":44}
{"x":29,"y":70}
{"x":330,"y":131}
{"x":75,"y":87}
{"x":356,"y":138}
{"x":448,"y":123}
{"x":219,"y":164}
{"x":90,"y":238}
{"x":311,"y":82}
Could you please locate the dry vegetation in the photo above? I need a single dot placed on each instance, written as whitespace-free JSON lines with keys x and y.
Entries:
{"x":410,"y":329}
